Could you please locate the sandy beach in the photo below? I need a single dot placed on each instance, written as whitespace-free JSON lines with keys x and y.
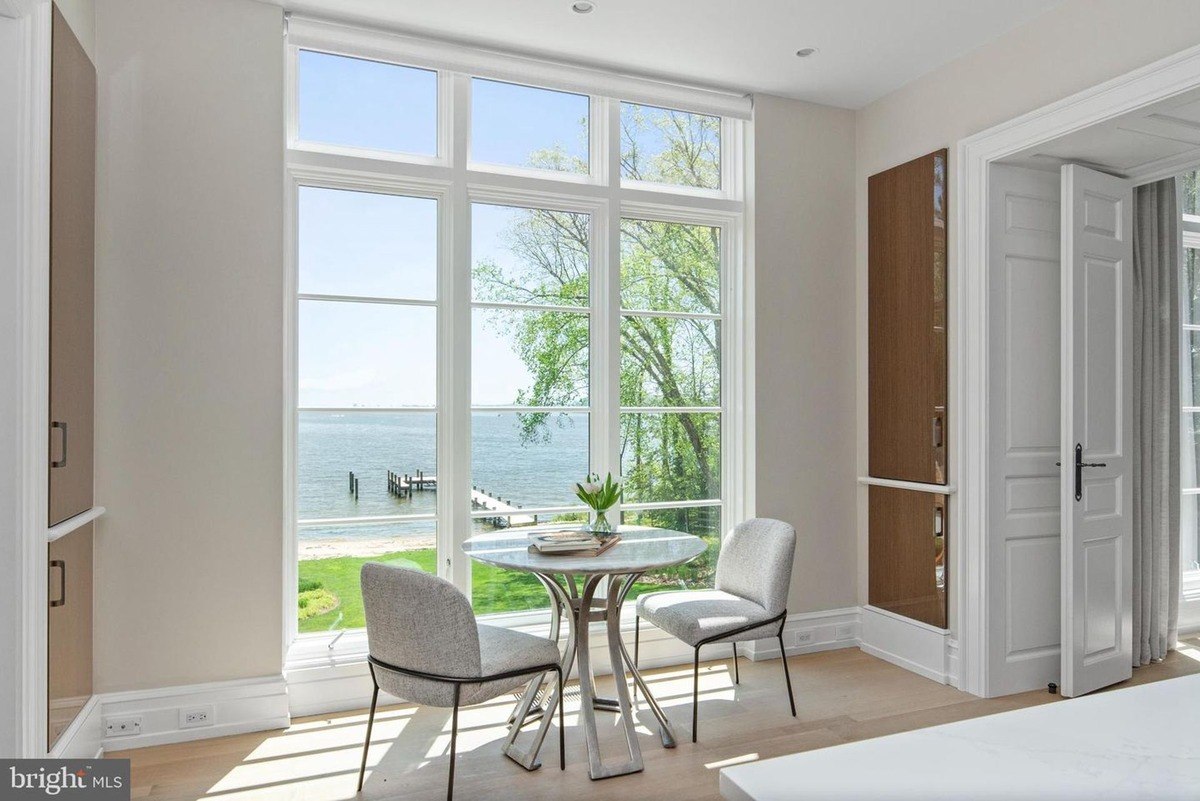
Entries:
{"x":358,"y":546}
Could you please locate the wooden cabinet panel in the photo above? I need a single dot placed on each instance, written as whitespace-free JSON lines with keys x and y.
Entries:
{"x":907,"y":556}
{"x":72,"y":257}
{"x":907,"y":321}
{"x":69,"y":629}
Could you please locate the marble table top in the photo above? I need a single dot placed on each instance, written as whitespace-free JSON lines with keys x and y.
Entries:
{"x":1137,"y":742}
{"x":641,"y":549}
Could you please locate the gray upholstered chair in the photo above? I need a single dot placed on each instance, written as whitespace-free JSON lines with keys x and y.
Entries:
{"x":754,"y":571}
{"x":425,"y":646}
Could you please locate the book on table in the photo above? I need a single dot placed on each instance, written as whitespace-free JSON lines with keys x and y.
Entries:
{"x":570,"y":543}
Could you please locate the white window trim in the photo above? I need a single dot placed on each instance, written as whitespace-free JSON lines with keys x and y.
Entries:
{"x":1190,"y":581}
{"x":427,"y":53}
{"x":455,"y":182}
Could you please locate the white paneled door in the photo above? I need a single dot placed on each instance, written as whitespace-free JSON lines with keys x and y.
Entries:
{"x":1096,"y":489}
{"x":1024,"y":523}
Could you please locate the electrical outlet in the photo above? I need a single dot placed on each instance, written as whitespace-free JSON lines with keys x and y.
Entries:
{"x":123,"y":727}
{"x":195,"y":716}
{"x":804,"y":636}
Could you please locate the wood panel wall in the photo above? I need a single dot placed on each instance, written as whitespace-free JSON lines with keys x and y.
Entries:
{"x":907,"y":321}
{"x":907,"y":388}
{"x":904,"y":554}
{"x":72,"y":271}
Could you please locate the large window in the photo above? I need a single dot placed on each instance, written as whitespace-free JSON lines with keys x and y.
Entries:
{"x":1190,"y":378}
{"x":498,"y":289}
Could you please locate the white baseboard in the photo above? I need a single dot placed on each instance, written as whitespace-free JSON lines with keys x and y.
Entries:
{"x":315,"y":686}
{"x":238,"y":706}
{"x":810,"y":632}
{"x":83,"y":738}
{"x":907,"y":643}
{"x":341,"y":685}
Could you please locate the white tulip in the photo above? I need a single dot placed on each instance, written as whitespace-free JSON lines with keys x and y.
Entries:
{"x":591,"y":487}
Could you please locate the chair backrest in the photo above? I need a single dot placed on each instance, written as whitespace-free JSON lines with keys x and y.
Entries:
{"x":419,"y":622}
{"x":756,"y":562}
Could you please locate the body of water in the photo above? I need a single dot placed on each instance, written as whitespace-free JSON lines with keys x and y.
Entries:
{"x":529,"y":473}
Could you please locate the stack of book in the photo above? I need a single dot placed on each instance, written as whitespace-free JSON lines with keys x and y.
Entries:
{"x":570,"y":543}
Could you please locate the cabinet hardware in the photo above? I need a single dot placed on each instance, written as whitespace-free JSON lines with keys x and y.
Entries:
{"x":63,"y":461}
{"x":62,"y":581}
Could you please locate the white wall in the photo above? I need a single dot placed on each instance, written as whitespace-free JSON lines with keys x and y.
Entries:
{"x":804,"y":330}
{"x":189,"y":301}
{"x":1070,"y":48}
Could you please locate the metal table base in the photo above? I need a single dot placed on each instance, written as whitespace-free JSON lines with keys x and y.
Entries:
{"x":582,"y":607}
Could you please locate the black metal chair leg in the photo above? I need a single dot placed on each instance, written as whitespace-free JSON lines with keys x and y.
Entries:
{"x":362,"y":770}
{"x":736,"y":678}
{"x":637,"y":642}
{"x":453,"y":741}
{"x":562,"y":729}
{"x":695,"y":692}
{"x":787,"y":676}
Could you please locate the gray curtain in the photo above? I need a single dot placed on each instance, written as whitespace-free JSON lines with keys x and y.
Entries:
{"x":1156,"y":410}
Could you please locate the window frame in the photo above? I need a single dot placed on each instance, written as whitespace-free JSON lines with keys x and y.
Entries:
{"x":456,"y":182}
{"x":1190,"y":546}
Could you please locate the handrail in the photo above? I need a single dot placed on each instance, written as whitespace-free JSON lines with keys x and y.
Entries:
{"x":60,"y":530}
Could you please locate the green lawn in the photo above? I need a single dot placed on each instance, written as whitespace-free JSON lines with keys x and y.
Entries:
{"x":493,"y":589}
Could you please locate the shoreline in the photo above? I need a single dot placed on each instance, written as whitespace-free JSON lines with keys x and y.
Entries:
{"x":332,"y":548}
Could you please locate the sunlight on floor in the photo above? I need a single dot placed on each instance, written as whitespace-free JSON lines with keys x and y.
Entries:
{"x":323,"y":754}
{"x":1188,"y":649}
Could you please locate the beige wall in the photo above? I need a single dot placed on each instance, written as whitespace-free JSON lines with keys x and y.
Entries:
{"x":1070,"y":48}
{"x":189,"y":289}
{"x":804,"y":331}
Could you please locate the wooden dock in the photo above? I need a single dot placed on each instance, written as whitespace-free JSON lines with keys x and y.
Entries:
{"x":481,"y":499}
{"x":403,"y":485}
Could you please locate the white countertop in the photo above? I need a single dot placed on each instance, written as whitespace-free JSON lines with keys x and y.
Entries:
{"x":1140,"y":742}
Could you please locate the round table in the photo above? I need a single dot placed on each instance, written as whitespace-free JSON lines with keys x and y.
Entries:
{"x":572,"y":582}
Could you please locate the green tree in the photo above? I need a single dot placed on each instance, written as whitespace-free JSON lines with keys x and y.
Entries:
{"x":665,"y":361}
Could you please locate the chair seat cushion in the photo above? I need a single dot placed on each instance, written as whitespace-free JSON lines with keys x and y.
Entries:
{"x":695,"y":615}
{"x":501,"y":650}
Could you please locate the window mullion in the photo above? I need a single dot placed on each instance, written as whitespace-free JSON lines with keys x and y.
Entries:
{"x":454,"y":434}
{"x":609,"y":308}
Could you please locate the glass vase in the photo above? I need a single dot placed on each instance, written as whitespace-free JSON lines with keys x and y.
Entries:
{"x":600,"y":525}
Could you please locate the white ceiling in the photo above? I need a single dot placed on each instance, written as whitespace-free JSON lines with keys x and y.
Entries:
{"x":867,"y":47}
{"x":1162,"y":136}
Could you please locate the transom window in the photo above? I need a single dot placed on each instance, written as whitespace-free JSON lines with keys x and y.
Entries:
{"x":498,"y":289}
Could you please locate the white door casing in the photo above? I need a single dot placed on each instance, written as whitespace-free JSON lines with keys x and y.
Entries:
{"x":1097,"y":525}
{"x":1024,"y":313}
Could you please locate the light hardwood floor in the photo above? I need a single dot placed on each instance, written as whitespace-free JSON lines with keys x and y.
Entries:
{"x":841,"y":696}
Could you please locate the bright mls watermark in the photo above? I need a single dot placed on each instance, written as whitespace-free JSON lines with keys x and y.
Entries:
{"x":90,"y":779}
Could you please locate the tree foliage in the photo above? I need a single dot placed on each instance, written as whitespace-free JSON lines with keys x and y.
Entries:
{"x":665,"y":361}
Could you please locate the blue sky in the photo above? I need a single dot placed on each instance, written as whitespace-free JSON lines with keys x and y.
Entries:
{"x":355,"y":243}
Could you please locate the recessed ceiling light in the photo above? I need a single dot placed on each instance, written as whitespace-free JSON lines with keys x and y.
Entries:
{"x":805,"y":52}
{"x":582,"y":7}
